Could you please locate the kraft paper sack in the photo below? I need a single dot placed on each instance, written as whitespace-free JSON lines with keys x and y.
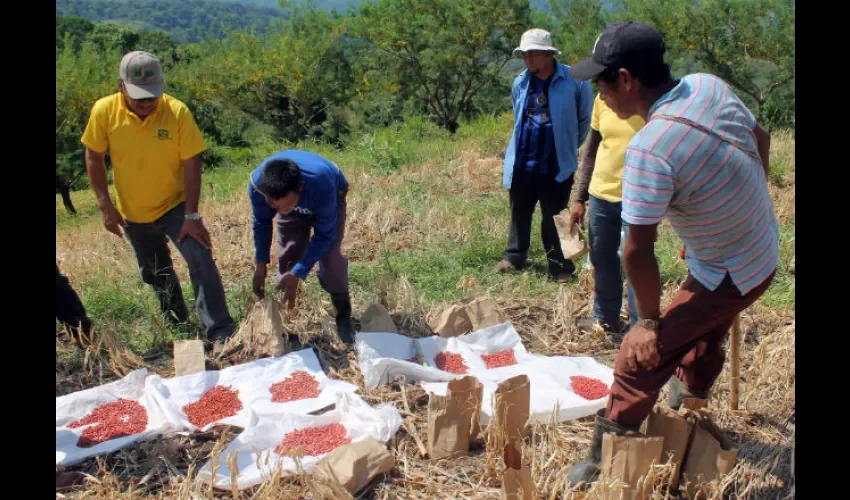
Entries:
{"x":517,"y":483}
{"x":627,"y":459}
{"x":261,"y":332}
{"x":711,"y":454}
{"x":188,"y":357}
{"x":467,"y":316}
{"x":355,"y":465}
{"x":572,"y":242}
{"x":376,"y":318}
{"x":510,"y":423}
{"x":676,"y":431}
{"x":453,"y":418}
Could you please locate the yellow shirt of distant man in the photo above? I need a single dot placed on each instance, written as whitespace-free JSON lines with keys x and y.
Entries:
{"x":607,"y":181}
{"x":145,"y":154}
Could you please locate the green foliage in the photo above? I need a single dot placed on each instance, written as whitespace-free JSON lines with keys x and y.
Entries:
{"x":81,"y":78}
{"x":441,"y":53}
{"x":747,"y":43}
{"x":577,"y":24}
{"x":416,"y":67}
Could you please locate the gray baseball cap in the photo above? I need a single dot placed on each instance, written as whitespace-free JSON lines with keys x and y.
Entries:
{"x":141,"y":73}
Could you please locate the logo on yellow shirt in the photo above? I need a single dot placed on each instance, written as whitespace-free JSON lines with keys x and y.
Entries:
{"x":162,"y":134}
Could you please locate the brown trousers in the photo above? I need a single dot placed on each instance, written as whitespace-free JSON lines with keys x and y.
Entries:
{"x":293,"y":236}
{"x":690,"y":335}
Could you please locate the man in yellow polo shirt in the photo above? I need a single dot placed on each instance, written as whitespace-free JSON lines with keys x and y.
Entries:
{"x":154,"y":145}
{"x":601,"y":182}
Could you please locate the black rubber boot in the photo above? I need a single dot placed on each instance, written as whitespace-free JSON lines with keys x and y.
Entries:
{"x":587,"y":471}
{"x":679,"y":392}
{"x":344,"y":328}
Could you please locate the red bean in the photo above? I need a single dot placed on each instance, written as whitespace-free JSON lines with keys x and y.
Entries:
{"x":451,"y":362}
{"x":299,"y":385}
{"x":497,"y":359}
{"x":112,"y":420}
{"x":217,"y":403}
{"x":313,"y":441}
{"x":589,"y":388}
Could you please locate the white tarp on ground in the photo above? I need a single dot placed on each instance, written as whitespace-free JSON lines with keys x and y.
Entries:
{"x":255,"y":457}
{"x":252,"y":381}
{"x":75,"y":406}
{"x":549,"y":376}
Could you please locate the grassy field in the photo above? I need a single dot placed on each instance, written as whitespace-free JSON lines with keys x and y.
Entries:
{"x":427,"y":222}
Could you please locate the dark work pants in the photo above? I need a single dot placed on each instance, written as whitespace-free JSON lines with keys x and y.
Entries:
{"x":157,"y":269}
{"x":528,"y":188}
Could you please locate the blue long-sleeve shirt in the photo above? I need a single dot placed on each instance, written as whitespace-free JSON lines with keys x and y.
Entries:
{"x":570,"y":107}
{"x":323,"y":183}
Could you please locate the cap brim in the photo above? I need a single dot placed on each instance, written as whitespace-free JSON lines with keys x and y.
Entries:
{"x":146,"y":92}
{"x":587,"y":69}
{"x":519,"y":50}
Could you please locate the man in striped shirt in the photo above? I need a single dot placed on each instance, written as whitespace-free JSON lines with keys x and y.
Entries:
{"x":701,"y":162}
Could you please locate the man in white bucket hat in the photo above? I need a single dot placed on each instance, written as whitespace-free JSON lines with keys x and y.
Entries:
{"x":552,"y":113}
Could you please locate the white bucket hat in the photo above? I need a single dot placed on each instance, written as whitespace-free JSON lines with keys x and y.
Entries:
{"x":535,"y":39}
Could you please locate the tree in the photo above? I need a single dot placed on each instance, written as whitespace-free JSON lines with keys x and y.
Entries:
{"x":747,"y":43}
{"x":76,"y":27}
{"x":288,"y":80}
{"x":81,"y":79}
{"x":442,"y":52}
{"x":577,"y":25}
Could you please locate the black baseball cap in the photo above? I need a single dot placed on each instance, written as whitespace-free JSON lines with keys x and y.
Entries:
{"x":622,"y":45}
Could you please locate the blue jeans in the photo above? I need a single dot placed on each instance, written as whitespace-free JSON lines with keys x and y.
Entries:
{"x":604,"y":232}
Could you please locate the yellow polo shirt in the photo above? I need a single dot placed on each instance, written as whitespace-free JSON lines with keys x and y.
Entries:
{"x":146,"y":155}
{"x":607,"y":181}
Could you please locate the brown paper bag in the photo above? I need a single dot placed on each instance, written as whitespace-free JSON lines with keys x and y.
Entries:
{"x":676,"y":431}
{"x":572,"y":242}
{"x":510,"y":423}
{"x":482,"y":313}
{"x":711,"y":454}
{"x":453,"y":418}
{"x":189,"y":357}
{"x":376,"y":318}
{"x":628,"y":458}
{"x":469,"y":391}
{"x":517,"y":484}
{"x":453,"y":321}
{"x":261,"y":332}
{"x":355,"y":465}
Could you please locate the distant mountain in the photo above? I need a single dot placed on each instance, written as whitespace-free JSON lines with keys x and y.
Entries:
{"x":183,"y":20}
{"x":194,"y":20}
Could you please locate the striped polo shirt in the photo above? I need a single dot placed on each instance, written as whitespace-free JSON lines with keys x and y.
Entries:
{"x":714,"y":195}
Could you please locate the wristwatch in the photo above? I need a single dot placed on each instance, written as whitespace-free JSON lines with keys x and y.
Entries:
{"x":649,"y":324}
{"x":192,"y":216}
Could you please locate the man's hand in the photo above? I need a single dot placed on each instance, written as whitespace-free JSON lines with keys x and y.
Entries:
{"x":577,"y":215}
{"x":196,"y":230}
{"x":260,"y":273}
{"x":641,"y":349}
{"x":289,"y":286}
{"x":113,"y":221}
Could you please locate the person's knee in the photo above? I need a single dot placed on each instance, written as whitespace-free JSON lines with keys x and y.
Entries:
{"x":150,"y":275}
{"x":198,"y":259}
